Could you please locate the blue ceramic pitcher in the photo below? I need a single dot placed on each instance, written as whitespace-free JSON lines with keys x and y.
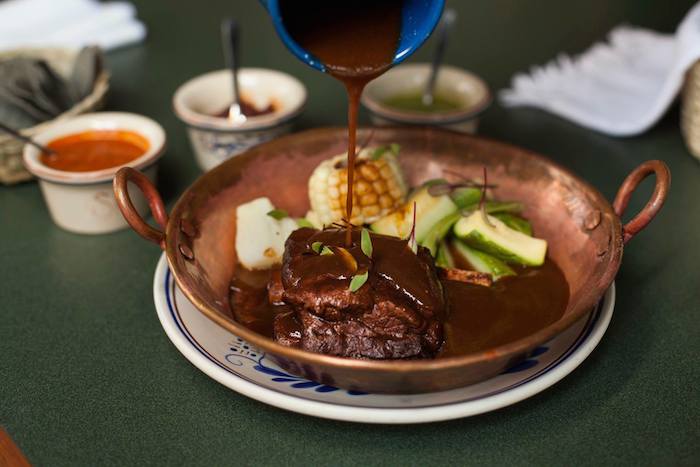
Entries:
{"x":418,"y":19}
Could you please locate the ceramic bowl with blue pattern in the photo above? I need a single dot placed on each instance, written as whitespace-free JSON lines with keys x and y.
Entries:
{"x":200,"y":102}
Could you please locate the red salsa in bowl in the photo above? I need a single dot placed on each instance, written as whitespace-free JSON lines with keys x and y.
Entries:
{"x":93,"y":150}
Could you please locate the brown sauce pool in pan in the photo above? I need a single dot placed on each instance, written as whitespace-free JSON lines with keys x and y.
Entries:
{"x":478,"y":317}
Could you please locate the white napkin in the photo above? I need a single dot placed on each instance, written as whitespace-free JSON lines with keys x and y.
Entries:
{"x":620,"y":88}
{"x":68,"y":23}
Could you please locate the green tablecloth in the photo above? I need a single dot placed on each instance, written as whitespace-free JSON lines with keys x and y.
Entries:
{"x":88,"y":377}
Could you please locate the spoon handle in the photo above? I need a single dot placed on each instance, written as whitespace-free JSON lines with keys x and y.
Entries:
{"x":229,"y":37}
{"x":444,"y":27}
{"x":17,"y":135}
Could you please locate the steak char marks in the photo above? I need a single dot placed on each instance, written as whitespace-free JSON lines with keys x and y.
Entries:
{"x":397,"y":313}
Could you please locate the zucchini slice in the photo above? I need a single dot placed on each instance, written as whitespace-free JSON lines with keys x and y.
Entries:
{"x":444,"y":257}
{"x":482,"y":262}
{"x":497,"y":239}
{"x":515,"y":222}
{"x":429,"y":211}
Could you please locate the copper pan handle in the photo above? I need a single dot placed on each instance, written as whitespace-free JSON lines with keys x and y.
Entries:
{"x":121,"y":193}
{"x":663,"y":182}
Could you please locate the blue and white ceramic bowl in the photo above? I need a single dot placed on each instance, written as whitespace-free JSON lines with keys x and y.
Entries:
{"x":215,"y":139}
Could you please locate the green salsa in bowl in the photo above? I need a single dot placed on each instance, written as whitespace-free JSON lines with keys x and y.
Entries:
{"x":413,"y":102}
{"x":396,"y":98}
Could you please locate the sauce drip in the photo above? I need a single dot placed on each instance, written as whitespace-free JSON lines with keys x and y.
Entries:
{"x":94,"y":150}
{"x":356,"y":41}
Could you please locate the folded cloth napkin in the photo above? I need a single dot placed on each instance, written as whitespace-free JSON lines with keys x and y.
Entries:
{"x":620,"y":88}
{"x":31,"y":91}
{"x":68,"y":23}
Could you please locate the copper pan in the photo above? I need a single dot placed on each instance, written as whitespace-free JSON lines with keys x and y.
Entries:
{"x":585,"y":234}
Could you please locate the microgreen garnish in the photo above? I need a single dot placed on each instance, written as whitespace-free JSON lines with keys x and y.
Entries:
{"x":369,"y":138}
{"x":320,"y":249}
{"x":366,"y":243}
{"x":304,"y":222}
{"x":440,"y":186}
{"x":412,"y":244}
{"x":378,"y":152}
{"x":482,"y":205}
{"x":435,"y":181}
{"x":358,"y":281}
{"x":278,"y":214}
{"x":343,"y":224}
{"x":439,"y":189}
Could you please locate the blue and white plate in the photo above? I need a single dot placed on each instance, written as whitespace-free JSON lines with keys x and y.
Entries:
{"x":236,"y":364}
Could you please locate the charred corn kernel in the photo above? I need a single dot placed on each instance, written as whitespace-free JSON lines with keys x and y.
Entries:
{"x":379,"y":188}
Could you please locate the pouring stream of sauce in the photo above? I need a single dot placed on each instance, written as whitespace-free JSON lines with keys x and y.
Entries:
{"x":356,"y":41}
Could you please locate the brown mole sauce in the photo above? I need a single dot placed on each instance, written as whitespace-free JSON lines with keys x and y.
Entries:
{"x":356,"y":41}
{"x":477,"y":317}
{"x":514,"y":307}
{"x":249,"y":300}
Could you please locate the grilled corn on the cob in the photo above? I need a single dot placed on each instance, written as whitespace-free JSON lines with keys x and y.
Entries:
{"x":379,"y":187}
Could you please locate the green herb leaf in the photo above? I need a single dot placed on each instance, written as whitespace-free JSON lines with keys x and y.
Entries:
{"x":317,"y":247}
{"x":358,"y":281}
{"x":378,"y":152}
{"x":278,"y":214}
{"x":435,"y":181}
{"x":304,"y":222}
{"x":366,"y":243}
{"x":326,"y":251}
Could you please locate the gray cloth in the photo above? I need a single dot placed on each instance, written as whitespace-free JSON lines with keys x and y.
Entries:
{"x":31,"y":92}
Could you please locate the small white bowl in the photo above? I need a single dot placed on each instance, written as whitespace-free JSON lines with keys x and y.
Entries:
{"x":469,"y":91}
{"x":216,"y":139}
{"x":83,"y":202}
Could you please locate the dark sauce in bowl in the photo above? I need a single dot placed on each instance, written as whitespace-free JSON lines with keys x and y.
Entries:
{"x":248,"y":109}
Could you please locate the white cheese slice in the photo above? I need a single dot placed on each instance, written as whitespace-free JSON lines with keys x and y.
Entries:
{"x":259,"y":237}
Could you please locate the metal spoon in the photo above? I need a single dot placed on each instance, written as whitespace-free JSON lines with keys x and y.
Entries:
{"x":443,"y":29}
{"x":229,"y":39}
{"x":17,"y":135}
